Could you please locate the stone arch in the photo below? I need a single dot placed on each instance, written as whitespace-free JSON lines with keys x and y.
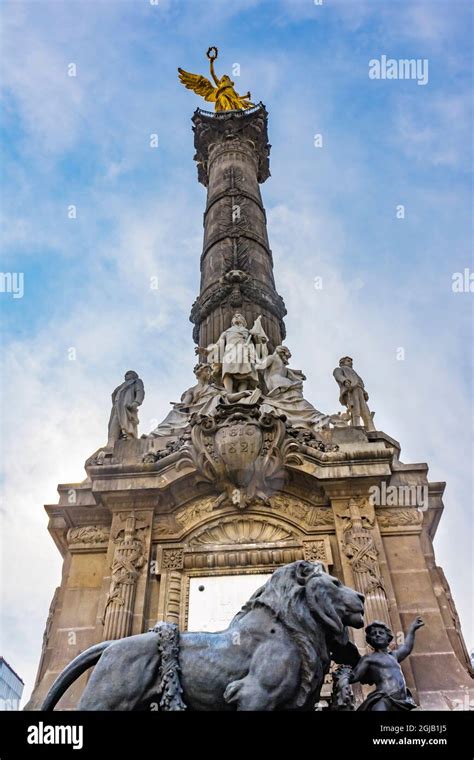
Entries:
{"x":232,"y":543}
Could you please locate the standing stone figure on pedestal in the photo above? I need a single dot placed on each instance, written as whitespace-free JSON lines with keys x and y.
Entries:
{"x":236,"y":351}
{"x":353,"y":394}
{"x":126,"y":399}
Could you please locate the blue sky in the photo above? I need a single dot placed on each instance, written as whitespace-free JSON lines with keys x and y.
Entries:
{"x":84,"y":140}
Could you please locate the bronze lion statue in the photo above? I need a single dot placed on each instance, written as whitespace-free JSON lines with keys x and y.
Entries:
{"x":273,"y":656}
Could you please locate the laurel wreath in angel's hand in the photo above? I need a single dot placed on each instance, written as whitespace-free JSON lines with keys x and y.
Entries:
{"x":223,"y":94}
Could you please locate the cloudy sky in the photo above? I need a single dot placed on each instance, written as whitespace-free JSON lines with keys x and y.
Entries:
{"x":88,"y":313}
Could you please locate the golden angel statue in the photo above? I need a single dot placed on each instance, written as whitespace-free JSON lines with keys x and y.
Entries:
{"x":223,"y":94}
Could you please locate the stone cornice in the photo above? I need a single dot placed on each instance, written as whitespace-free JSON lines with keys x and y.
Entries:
{"x":251,"y":125}
{"x":202,"y":307}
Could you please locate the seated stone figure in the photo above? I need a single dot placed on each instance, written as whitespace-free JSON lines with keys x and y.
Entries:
{"x":284,"y":393}
{"x":381,"y":667}
{"x":202,"y":397}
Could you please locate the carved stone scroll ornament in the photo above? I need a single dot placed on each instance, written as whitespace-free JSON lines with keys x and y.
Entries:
{"x":127,"y":563}
{"x":287,"y":506}
{"x":306,"y":513}
{"x":308,"y":440}
{"x":192,"y":514}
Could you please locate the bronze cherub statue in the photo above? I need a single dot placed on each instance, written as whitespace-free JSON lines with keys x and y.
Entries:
{"x":381,"y":667}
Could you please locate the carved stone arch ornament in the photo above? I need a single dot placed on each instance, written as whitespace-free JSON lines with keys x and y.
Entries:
{"x":299,"y":515}
{"x":233,"y":544}
{"x":248,"y":529}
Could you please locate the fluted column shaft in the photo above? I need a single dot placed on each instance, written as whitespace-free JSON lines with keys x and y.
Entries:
{"x":236,"y":262}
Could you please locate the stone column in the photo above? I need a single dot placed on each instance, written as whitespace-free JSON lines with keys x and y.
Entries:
{"x":365,"y":567}
{"x":232,"y":153}
{"x":363,"y":557}
{"x":358,"y":545}
{"x":129,"y":560}
{"x":171,"y":563}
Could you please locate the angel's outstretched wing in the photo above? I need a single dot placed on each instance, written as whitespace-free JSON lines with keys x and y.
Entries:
{"x":198,"y":84}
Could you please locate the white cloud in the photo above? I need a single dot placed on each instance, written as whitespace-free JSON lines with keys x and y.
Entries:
{"x":435,"y":132}
{"x":49,"y":101}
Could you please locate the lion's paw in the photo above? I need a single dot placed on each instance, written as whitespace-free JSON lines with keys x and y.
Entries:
{"x":232,"y":692}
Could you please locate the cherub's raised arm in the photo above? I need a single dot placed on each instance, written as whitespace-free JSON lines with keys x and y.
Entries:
{"x":405,"y":649}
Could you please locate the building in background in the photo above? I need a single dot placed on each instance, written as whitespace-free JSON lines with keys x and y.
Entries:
{"x":11,"y":687}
